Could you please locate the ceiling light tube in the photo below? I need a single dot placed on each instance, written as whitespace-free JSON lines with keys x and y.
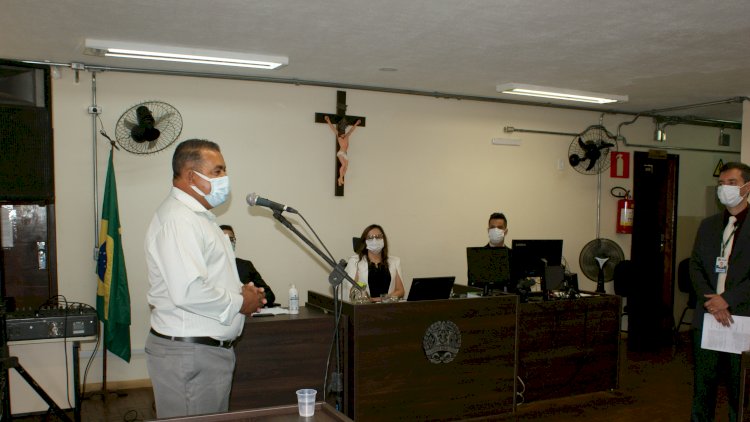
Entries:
{"x":560,"y":94}
{"x":179,"y":54}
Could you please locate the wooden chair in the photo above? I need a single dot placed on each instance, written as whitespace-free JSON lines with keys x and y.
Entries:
{"x":685,"y":286}
{"x":623,"y":277}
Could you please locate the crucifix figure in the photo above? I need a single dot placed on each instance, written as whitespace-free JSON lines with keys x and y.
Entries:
{"x":338,"y":123}
{"x":343,"y":141}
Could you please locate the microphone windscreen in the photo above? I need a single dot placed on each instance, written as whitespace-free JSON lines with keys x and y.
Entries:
{"x":252,"y":198}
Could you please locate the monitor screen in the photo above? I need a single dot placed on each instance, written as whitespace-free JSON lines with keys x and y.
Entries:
{"x":530,"y":257}
{"x":488,"y":268}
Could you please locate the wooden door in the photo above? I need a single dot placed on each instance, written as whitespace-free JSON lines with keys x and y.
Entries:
{"x":651,"y":294}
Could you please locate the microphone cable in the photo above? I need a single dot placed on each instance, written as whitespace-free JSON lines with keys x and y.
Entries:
{"x":317,"y":237}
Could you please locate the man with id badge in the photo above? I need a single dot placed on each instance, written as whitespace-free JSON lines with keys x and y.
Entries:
{"x":719,"y":271}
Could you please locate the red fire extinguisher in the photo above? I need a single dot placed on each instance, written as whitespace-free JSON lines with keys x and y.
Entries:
{"x":625,"y":211}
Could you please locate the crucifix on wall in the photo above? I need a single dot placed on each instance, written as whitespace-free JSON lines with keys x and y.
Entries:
{"x":339,"y":123}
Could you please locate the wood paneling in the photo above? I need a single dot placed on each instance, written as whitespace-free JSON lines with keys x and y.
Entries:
{"x":278,"y":355}
{"x":568,"y":347}
{"x":323,"y":413}
{"x":388,"y":376}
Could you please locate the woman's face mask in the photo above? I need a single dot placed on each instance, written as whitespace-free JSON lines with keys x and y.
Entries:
{"x":375,"y":245}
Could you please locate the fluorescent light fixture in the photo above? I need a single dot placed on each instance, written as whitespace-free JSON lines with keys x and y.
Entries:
{"x":179,"y":54}
{"x":560,"y":93}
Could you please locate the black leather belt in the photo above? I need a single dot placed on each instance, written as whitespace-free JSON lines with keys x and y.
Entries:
{"x":207,"y":341}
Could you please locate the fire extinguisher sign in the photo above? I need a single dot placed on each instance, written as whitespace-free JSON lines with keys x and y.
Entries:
{"x":620,"y":165}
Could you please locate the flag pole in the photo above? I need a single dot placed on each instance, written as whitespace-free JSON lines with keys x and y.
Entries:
{"x":104,"y":368}
{"x":111,"y":269}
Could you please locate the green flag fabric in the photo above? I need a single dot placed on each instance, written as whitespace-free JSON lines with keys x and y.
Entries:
{"x":112,"y":295}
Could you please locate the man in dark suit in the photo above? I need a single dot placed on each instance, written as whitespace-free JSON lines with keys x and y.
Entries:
{"x":246,"y":269}
{"x":720,"y":273}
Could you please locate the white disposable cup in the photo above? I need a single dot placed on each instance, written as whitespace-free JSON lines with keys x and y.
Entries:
{"x":306,"y":401}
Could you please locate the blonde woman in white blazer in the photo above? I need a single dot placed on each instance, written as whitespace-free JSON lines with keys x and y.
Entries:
{"x":380,"y":273}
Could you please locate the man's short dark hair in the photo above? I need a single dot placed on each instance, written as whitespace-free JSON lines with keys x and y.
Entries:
{"x":742,"y":167}
{"x":498,"y":216}
{"x":189,"y":153}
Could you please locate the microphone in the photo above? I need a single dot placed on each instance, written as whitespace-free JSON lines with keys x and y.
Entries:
{"x":253,"y":199}
{"x":525,"y":284}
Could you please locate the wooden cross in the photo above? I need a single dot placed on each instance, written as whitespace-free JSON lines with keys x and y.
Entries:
{"x":341,"y":120}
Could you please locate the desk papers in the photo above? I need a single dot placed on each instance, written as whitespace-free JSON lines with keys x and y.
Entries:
{"x":274,"y":311}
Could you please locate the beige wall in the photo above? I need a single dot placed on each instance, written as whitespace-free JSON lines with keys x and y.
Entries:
{"x":424,"y":168}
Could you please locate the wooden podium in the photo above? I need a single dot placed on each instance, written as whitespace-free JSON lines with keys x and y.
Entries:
{"x":289,"y":413}
{"x":388,"y":376}
{"x":278,"y":355}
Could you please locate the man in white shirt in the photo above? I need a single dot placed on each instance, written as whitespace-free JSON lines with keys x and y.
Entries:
{"x":198,"y":304}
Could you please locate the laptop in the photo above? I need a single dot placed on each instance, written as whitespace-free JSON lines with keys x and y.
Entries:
{"x":430,"y":288}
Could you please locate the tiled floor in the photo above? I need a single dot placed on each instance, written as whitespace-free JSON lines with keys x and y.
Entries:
{"x":126,"y":406}
{"x":654,"y":387}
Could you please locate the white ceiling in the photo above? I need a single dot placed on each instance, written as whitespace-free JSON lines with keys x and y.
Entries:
{"x":661,"y":53}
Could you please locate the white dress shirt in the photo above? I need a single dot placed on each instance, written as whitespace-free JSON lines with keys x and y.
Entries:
{"x":195,"y":290}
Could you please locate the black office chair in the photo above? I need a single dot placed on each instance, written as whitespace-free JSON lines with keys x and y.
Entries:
{"x":685,"y":286}
{"x":623,"y":277}
{"x":356,"y":244}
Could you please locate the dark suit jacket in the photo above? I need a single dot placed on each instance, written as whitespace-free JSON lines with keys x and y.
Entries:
{"x":707,"y":247}
{"x":248,"y":273}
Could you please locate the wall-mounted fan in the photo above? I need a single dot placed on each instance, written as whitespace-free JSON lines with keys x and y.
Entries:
{"x":589,"y":152}
{"x":148,"y":127}
{"x":598,"y":260}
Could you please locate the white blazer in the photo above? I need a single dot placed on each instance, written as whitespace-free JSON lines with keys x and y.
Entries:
{"x":357,"y":269}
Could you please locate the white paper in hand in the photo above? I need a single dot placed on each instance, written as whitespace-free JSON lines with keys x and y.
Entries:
{"x":732,"y":339}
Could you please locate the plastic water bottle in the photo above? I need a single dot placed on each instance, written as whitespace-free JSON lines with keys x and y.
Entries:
{"x":293,"y":300}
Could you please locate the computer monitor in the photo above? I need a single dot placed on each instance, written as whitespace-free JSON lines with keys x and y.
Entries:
{"x":532,"y":256}
{"x":489,"y":268}
{"x":430,"y":288}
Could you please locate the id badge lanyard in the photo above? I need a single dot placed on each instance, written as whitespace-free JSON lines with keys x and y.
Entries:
{"x":722,"y":262}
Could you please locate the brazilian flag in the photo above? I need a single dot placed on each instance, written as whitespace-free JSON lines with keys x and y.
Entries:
{"x":112,"y":296}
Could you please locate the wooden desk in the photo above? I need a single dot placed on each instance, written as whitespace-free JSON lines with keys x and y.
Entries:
{"x":564,"y":348}
{"x":279,"y":355}
{"x":388,"y":377}
{"x":323,"y":413}
{"x":569,"y":347}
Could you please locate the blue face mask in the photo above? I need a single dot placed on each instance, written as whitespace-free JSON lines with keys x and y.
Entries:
{"x":219,"y":189}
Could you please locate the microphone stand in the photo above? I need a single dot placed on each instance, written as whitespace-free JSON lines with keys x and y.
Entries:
{"x":335,"y":278}
{"x":338,"y":273}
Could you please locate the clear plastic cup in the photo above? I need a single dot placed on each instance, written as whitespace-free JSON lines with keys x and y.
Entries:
{"x":306,"y":401}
